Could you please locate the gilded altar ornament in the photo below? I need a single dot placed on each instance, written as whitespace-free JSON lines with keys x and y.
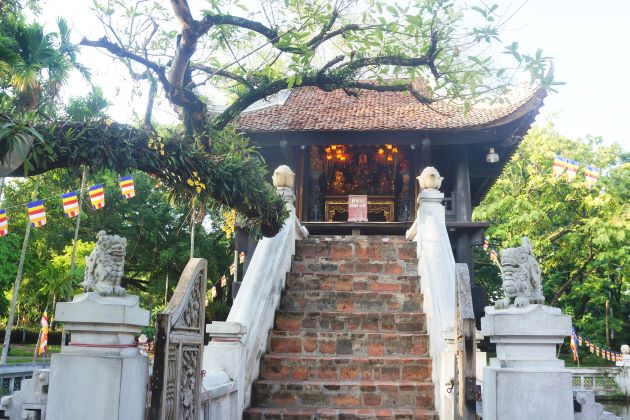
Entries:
{"x":430,"y":179}
{"x":338,"y":186}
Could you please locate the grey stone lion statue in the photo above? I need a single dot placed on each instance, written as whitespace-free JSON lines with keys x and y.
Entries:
{"x":521,"y":277}
{"x":105,"y":265}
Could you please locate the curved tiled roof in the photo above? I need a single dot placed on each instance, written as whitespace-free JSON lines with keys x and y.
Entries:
{"x":312,"y":109}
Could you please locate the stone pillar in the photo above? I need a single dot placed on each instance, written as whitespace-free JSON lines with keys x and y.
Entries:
{"x":526,"y":381}
{"x":623,"y":378}
{"x":101,"y":374}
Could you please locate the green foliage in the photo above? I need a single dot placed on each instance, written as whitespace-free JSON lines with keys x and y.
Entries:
{"x":580,"y":235}
{"x":157,"y":233}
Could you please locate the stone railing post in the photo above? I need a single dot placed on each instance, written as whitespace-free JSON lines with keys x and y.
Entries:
{"x":101,"y":374}
{"x":623,"y":379}
{"x":525,"y":380}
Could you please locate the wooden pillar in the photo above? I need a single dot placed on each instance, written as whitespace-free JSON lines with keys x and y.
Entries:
{"x":463,"y":207}
{"x":425,"y":154}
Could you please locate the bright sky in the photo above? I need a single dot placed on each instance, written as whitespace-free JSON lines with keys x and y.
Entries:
{"x":587,"y":40}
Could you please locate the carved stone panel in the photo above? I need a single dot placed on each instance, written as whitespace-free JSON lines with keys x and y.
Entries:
{"x":176,"y":382}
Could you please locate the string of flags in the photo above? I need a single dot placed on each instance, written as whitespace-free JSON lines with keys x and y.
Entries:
{"x":223,"y":280}
{"x":70,"y":202}
{"x":579,"y":341}
{"x":562,"y":165}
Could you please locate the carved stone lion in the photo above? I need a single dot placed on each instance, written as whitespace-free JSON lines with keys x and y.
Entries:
{"x":521,"y":277}
{"x":430,"y":179}
{"x":105,"y":265}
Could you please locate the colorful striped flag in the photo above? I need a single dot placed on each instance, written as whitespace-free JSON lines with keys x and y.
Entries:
{"x":580,"y":340}
{"x":43,"y":342}
{"x":591,"y":174}
{"x":4,"y":223}
{"x":559,"y":165}
{"x":574,"y":345}
{"x":36,"y":213}
{"x":233,"y":268}
{"x":127,"y":187}
{"x":571,"y":167}
{"x":70,"y":204}
{"x":223,"y":281}
{"x":97,"y":196}
{"x":241,"y":257}
{"x":486,"y":244}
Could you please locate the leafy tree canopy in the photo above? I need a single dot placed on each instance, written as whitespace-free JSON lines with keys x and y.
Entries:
{"x":251,"y":51}
{"x":580,"y":235}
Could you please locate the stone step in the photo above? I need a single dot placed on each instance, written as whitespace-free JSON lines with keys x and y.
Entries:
{"x":338,"y":414}
{"x":353,"y":282}
{"x":343,"y":368}
{"x":348,"y":343}
{"x":342,"y":394}
{"x":409,"y":322}
{"x":407,"y":267}
{"x":318,"y":300}
{"x":369,"y":249}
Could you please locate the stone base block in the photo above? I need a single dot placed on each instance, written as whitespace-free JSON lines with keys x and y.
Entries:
{"x":97,"y":388}
{"x":527,"y":395}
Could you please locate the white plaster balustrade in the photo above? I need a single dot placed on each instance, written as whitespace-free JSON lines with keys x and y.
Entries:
{"x":232,"y":358}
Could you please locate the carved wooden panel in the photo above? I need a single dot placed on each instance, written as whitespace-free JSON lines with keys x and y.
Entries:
{"x":176,"y":382}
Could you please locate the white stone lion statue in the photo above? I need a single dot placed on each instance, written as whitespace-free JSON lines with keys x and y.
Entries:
{"x":521,"y":277}
{"x":104,"y":267}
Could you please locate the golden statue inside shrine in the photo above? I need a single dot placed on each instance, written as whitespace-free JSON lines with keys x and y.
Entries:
{"x":338,"y":186}
{"x":373,"y":171}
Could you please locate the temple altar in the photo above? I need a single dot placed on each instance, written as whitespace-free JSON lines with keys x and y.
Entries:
{"x":380,"y":208}
{"x":381,"y":172}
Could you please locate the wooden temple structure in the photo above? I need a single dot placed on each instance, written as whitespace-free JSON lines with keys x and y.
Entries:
{"x":375,"y":144}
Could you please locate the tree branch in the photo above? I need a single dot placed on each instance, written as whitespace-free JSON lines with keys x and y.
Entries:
{"x":117,"y":50}
{"x":271,"y":34}
{"x":222,"y":73}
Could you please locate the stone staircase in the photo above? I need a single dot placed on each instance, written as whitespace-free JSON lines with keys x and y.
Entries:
{"x":349,"y":340}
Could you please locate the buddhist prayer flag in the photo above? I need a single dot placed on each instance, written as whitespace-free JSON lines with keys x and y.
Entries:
{"x":580,"y":340}
{"x":4,"y":223}
{"x":127,"y":187}
{"x":571,"y":168}
{"x":574,"y":345}
{"x":241,"y":258}
{"x":486,"y":244}
{"x":36,"y":213}
{"x":97,"y":196}
{"x":70,"y":204}
{"x":223,"y":281}
{"x":559,"y":166}
{"x":233,"y":268}
{"x":43,"y":342}
{"x":591,"y":174}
